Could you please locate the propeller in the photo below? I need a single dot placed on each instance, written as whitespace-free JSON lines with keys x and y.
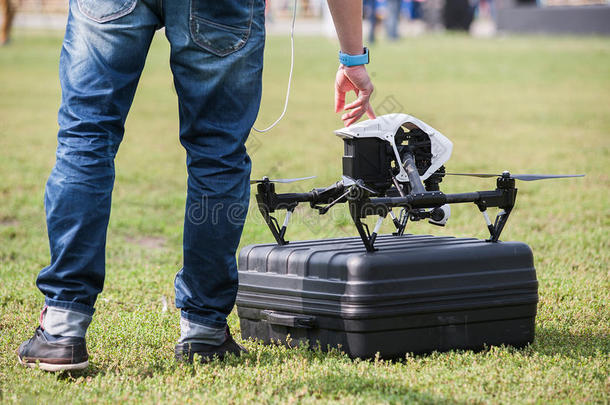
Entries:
{"x":264,"y":179}
{"x":348,"y":181}
{"x":524,"y":177}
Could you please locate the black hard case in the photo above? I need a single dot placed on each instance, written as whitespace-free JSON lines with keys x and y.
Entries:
{"x":416,"y":294}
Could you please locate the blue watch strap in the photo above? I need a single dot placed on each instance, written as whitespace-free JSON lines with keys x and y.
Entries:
{"x":354,"y":60}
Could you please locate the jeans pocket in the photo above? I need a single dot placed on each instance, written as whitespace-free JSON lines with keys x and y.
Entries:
{"x":221,"y":27}
{"x":102,"y":11}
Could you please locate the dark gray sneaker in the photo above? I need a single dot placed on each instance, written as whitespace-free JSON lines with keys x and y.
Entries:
{"x":185,"y":351}
{"x":64,"y":353}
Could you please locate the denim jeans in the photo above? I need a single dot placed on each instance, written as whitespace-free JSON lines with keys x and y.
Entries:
{"x":216,"y":60}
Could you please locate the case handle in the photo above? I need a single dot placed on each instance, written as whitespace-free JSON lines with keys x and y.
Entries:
{"x":293,"y":321}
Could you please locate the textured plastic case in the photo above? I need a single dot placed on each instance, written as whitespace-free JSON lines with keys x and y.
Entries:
{"x":416,"y":294}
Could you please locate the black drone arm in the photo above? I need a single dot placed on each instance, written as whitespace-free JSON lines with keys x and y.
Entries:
{"x":269,"y":201}
{"x":362,"y":204}
{"x":503,"y":197}
{"x":432,"y":199}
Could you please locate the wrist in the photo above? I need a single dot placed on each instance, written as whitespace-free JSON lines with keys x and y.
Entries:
{"x":352,"y":49}
{"x":351,"y":68}
{"x":350,"y":60}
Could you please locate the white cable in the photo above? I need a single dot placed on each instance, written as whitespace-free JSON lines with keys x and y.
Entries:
{"x":294,"y":17}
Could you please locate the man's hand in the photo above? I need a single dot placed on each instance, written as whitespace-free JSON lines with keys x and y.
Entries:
{"x":353,"y":78}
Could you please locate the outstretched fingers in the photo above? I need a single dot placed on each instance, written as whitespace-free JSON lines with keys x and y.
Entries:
{"x":357,"y":79}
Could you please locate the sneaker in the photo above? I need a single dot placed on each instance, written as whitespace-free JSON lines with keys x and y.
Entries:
{"x":63,"y":353}
{"x":185,"y":351}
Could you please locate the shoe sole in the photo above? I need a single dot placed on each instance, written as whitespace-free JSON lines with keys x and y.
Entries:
{"x":55,"y":367}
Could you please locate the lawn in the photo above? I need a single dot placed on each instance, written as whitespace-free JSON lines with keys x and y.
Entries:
{"x":528,"y":104}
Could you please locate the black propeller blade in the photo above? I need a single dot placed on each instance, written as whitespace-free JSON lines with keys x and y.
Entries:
{"x":524,"y":177}
{"x":264,"y":179}
{"x":532,"y":177}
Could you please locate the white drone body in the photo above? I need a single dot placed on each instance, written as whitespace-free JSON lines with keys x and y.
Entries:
{"x":385,"y":127}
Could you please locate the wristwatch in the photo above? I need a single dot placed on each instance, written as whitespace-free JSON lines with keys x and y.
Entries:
{"x":354,"y":60}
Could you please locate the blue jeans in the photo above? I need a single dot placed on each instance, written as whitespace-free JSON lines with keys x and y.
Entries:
{"x":216,"y":60}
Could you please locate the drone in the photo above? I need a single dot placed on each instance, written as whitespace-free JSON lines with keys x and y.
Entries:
{"x":393,"y":162}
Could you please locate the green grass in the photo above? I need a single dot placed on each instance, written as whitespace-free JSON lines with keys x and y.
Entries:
{"x":529,"y":104}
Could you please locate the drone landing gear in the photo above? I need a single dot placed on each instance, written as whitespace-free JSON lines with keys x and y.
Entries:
{"x":364,"y":202}
{"x":400,"y":222}
{"x":500,"y":221}
{"x":496,"y":228}
{"x":368,"y":238}
{"x":506,"y":185}
{"x":278,"y":232}
{"x":268,"y":201}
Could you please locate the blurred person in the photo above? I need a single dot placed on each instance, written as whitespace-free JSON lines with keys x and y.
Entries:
{"x":8,"y":12}
{"x":485,"y":8}
{"x":370,"y":14}
{"x":416,"y":9}
{"x":216,"y":57}
{"x":393,"y":18}
{"x":458,"y":14}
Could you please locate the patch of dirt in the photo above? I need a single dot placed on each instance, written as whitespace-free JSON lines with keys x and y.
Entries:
{"x":8,"y":222}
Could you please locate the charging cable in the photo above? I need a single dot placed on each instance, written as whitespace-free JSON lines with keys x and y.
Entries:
{"x":294,"y":17}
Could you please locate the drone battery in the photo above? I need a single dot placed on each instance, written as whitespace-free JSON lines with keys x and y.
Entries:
{"x":416,"y":294}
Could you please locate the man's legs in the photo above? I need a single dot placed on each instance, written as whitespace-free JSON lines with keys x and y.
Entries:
{"x":216,"y":59}
{"x":102,"y":57}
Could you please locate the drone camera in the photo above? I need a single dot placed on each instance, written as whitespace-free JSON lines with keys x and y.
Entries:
{"x":440,"y":215}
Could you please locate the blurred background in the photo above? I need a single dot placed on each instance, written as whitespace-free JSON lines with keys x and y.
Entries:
{"x":389,"y":18}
